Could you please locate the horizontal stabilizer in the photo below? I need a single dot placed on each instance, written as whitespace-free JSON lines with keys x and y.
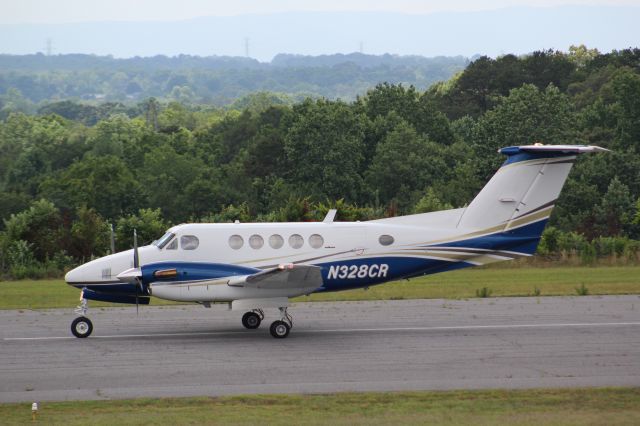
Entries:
{"x":560,"y":149}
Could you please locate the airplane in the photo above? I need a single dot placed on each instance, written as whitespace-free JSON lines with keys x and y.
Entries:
{"x":257,"y":266}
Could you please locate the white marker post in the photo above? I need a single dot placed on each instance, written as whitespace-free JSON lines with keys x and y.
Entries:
{"x":34,"y":411}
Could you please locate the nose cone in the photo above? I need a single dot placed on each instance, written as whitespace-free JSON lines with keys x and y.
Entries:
{"x":84,"y":274}
{"x":102,"y":270}
{"x":73,"y":276}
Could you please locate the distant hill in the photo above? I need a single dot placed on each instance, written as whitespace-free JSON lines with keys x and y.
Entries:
{"x":363,"y":60}
{"x":218,"y":80}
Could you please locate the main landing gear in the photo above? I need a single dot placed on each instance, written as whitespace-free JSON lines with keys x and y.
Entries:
{"x":252,"y":319}
{"x":82,"y":327}
{"x":279,"y":329}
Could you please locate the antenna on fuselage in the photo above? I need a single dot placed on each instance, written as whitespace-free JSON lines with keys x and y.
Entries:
{"x":331,"y":214}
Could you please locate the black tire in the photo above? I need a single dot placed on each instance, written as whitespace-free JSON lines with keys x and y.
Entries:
{"x":251,"y":320}
{"x":279,"y":329}
{"x":81,"y":327}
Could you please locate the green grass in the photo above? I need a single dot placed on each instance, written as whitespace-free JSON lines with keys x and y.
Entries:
{"x":524,"y":281}
{"x":611,"y":406}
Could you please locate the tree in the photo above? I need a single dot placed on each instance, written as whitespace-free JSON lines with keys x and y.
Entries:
{"x":430,"y":122}
{"x":33,"y":147}
{"x":616,"y":211}
{"x":386,"y":98}
{"x":526,"y":116}
{"x":103,"y":183}
{"x":121,"y":137}
{"x":543,"y":68}
{"x":40,"y":227}
{"x":165,"y":175}
{"x":324,"y":150}
{"x":90,"y":234}
{"x":149,"y":226}
{"x":581,"y":55}
{"x":174,"y":117}
{"x":404,"y":164}
{"x":430,"y":203}
{"x":626,"y":88}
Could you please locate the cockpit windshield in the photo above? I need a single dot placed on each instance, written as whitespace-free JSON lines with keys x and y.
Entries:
{"x":164,"y":240}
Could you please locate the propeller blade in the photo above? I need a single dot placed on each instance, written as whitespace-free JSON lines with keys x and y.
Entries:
{"x":136,"y":268}
{"x":113,"y":240}
{"x":136,"y":258}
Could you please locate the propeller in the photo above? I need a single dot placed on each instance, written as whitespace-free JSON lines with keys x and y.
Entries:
{"x":136,"y":265}
{"x":113,"y":240}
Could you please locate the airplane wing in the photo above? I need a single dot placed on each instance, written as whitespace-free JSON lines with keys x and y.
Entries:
{"x":281,"y":277}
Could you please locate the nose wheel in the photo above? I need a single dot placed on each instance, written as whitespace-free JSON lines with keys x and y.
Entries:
{"x":81,"y":327}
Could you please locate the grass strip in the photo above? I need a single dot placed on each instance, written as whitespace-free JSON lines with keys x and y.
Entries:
{"x":525,"y":281}
{"x":611,"y":406}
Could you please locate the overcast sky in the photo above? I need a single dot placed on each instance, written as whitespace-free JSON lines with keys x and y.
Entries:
{"x":65,"y":11}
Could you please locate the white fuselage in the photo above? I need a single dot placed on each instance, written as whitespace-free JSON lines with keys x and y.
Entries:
{"x":354,"y":253}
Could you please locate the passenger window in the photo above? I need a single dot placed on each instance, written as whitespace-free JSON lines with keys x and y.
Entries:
{"x":256,"y":241}
{"x":316,"y":241}
{"x":296,"y":241}
{"x":276,"y":241}
{"x":189,"y":242}
{"x":236,"y":242}
{"x":386,"y":240}
{"x":173,"y":245}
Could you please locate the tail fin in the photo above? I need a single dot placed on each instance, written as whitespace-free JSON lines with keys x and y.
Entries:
{"x":524,"y":189}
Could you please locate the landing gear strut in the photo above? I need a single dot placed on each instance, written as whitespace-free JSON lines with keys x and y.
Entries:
{"x":281,"y":328}
{"x":82,"y":326}
{"x":252,"y":319}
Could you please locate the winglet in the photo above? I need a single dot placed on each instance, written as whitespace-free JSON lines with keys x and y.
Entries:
{"x":331,"y":214}
{"x":560,"y":149}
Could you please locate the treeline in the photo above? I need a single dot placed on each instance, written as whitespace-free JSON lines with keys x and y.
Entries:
{"x":31,"y":80}
{"x":70,"y":172}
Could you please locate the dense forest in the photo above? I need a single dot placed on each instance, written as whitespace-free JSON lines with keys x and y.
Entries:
{"x":74,"y":169}
{"x":216,"y":80}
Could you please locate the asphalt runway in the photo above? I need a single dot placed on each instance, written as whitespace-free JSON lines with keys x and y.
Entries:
{"x":344,"y":346}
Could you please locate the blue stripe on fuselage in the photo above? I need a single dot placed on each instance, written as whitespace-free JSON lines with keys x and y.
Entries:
{"x":193,"y":271}
{"x":358,"y":273}
{"x":523,"y":240}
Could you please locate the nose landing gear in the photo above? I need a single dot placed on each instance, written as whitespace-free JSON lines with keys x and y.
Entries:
{"x":82,"y":326}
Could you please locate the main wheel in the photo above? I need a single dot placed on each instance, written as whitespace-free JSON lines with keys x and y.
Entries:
{"x":251,"y":320}
{"x":280,"y":329}
{"x":81,"y":327}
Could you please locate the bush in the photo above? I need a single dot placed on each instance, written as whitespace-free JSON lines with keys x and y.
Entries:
{"x":582,"y":290}
{"x":483,"y":292}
